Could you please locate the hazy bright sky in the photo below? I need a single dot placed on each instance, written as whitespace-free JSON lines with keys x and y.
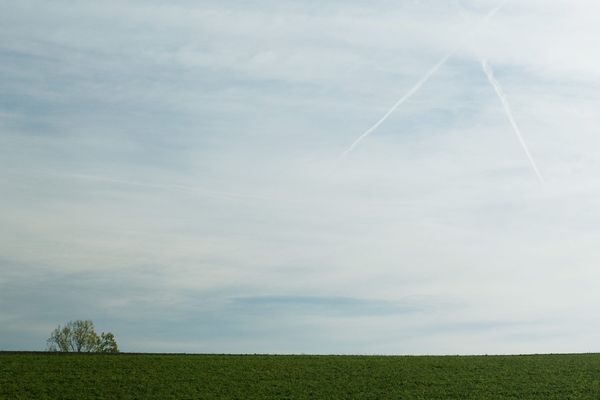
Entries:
{"x":171,"y":170}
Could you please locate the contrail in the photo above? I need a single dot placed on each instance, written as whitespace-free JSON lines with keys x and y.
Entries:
{"x":407,"y":96}
{"x":420,"y":83}
{"x":490,"y":75}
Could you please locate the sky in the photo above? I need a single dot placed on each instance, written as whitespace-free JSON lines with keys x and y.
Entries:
{"x":179,"y":172}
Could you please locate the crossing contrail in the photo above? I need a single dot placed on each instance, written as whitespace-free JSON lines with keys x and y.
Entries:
{"x":419,"y":84}
{"x":490,"y":75}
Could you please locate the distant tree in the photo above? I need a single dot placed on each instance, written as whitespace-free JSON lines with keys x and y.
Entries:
{"x":79,"y":336}
{"x":107,"y":343}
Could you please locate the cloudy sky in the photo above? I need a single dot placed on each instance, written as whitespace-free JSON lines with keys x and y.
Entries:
{"x":173,"y":171}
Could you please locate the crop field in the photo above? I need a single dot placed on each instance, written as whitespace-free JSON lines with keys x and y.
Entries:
{"x":156,"y":376}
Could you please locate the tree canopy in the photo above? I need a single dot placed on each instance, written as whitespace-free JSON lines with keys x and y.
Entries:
{"x":80,"y":336}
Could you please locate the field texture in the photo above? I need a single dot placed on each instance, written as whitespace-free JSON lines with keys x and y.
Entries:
{"x":150,"y":376}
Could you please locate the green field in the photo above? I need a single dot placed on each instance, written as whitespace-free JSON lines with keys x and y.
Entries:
{"x":154,"y":376}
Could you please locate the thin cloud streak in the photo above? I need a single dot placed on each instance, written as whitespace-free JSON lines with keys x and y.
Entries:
{"x":419,"y":84}
{"x":160,"y":186}
{"x":490,"y":75}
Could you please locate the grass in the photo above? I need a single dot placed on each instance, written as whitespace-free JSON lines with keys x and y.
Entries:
{"x":159,"y":376}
